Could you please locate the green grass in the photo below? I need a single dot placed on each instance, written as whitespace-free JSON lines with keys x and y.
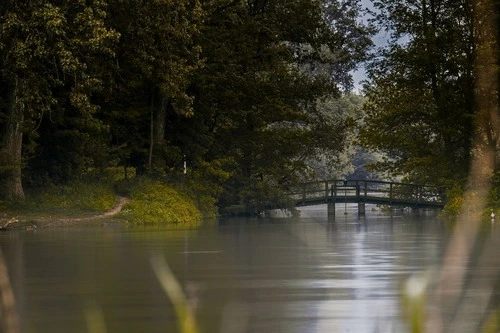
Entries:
{"x":73,"y":198}
{"x":151,"y":202}
{"x":158,"y":203}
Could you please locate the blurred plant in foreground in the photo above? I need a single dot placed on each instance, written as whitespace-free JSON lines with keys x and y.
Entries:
{"x":10,"y":318}
{"x":184,"y":308}
{"x":462,"y":295}
{"x":94,"y":318}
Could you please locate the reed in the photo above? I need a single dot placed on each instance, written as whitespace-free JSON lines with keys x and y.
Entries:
{"x":10,"y":317}
{"x":185,"y":308}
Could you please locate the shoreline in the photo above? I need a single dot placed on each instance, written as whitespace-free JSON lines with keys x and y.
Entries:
{"x":28,"y":222}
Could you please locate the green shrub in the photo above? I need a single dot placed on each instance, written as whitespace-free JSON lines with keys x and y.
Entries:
{"x":157,"y":203}
{"x":203,"y":184}
{"x":456,"y":198}
{"x":454,"y":202}
{"x":259,"y":195}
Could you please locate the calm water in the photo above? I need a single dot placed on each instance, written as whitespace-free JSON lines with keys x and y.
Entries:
{"x":303,"y":275}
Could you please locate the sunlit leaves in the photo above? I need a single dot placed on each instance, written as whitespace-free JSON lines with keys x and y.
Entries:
{"x":50,"y":44}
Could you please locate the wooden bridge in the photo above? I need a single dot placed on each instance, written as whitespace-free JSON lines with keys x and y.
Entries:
{"x":367,"y":192}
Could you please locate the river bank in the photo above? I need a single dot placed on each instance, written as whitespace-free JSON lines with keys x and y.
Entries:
{"x":30,"y":221}
{"x":143,"y":202}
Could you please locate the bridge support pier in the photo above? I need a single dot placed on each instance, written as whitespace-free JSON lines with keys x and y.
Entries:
{"x":361,"y":209}
{"x":331,"y":210}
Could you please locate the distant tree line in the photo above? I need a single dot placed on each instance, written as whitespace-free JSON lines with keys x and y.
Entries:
{"x":231,"y":87}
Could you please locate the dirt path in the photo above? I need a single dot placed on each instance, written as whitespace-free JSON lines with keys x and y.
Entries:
{"x":58,"y":221}
{"x":78,"y":220}
{"x":113,"y":211}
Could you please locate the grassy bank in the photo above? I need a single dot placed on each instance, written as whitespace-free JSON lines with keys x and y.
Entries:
{"x":158,"y":203}
{"x":75,"y":199}
{"x":149,"y":203}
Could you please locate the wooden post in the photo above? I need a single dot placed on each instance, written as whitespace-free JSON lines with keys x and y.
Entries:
{"x":331,"y":202}
{"x":361,"y":203}
{"x":331,"y":210}
{"x":366,"y":189}
{"x":390,"y":194}
{"x":326,"y":190}
{"x":361,"y":209}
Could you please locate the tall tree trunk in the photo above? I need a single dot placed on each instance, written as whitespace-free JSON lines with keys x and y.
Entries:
{"x":157,"y":127}
{"x":488,"y":77}
{"x":11,"y":187}
{"x":161,"y":122}
{"x":151,"y":134}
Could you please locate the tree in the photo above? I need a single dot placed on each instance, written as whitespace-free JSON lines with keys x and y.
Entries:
{"x":268,"y":64}
{"x":156,"y":58}
{"x":234,"y":85}
{"x":487,"y":73}
{"x":341,"y":114}
{"x":420,"y":95}
{"x":49,"y":53}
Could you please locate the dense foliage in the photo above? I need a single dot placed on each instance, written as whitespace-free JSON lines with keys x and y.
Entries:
{"x":420,"y":98}
{"x":232,"y":87}
{"x":51,"y":62}
{"x":432,"y":98}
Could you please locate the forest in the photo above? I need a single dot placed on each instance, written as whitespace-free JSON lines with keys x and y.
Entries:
{"x":246,"y":97}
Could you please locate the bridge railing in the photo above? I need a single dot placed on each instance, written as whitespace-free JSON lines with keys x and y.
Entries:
{"x":312,"y":190}
{"x":366,"y":190}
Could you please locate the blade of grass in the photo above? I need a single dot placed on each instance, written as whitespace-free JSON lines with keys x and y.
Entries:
{"x":94,"y":318}
{"x":10,"y":320}
{"x":184,"y":312}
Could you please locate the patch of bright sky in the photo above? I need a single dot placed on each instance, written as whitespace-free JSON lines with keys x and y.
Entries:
{"x":379,"y":40}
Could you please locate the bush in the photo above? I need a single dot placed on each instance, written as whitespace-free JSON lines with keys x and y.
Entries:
{"x":157,"y":203}
{"x":204,"y":185}
{"x":456,"y":198}
{"x":454,"y":202}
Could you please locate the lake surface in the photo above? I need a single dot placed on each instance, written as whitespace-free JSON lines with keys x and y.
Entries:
{"x":278,"y":275}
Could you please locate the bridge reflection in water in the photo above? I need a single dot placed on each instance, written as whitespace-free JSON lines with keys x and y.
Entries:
{"x":364,"y":192}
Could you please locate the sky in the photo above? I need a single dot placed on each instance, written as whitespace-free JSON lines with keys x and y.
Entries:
{"x":379,"y":40}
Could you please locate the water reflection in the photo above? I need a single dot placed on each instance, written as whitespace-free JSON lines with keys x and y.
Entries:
{"x":302,"y":275}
